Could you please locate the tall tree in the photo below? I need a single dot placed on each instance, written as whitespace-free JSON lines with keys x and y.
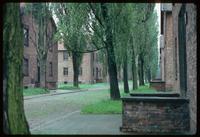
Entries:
{"x":14,"y":120}
{"x":122,"y":24}
{"x":43,"y":38}
{"x":99,"y":23}
{"x":72,"y":18}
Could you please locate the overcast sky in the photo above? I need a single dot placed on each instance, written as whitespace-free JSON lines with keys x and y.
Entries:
{"x":157,"y":8}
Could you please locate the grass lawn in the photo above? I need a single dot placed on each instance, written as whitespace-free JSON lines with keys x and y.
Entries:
{"x":144,"y":89}
{"x":69,"y":86}
{"x":34,"y":91}
{"x":110,"y":106}
{"x":103,"y":107}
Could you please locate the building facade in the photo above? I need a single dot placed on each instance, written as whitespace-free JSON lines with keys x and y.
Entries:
{"x":185,"y":44}
{"x":90,"y":70}
{"x":30,"y":62}
{"x":178,"y":56}
{"x":167,"y":48}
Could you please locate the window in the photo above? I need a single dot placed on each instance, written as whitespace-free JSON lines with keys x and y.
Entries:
{"x":80,"y":71}
{"x":99,"y":72}
{"x":65,"y":55}
{"x":50,"y":69}
{"x":175,"y":57}
{"x":25,"y":67}
{"x":26,"y":34}
{"x":93,"y":71}
{"x":96,"y":73}
{"x":65,"y":71}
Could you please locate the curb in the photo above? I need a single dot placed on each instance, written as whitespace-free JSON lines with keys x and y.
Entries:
{"x":52,"y":94}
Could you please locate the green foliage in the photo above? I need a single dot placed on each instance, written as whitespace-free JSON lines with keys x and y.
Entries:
{"x":34,"y":91}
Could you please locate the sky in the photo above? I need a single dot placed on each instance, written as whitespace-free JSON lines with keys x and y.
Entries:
{"x":157,"y":8}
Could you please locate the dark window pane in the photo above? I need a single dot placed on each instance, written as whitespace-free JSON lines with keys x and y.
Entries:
{"x":25,"y":67}
{"x":65,"y":71}
{"x":26,"y":34}
{"x":65,"y":55}
{"x":50,"y":69}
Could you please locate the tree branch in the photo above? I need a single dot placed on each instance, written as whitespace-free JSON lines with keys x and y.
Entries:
{"x":97,"y":17}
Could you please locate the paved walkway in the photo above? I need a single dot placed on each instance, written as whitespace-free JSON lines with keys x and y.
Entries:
{"x":76,"y":123}
{"x":61,"y":91}
{"x":59,"y":113}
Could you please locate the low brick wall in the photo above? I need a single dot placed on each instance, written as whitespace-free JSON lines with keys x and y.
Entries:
{"x":51,"y":85}
{"x":157,"y":85}
{"x":157,"y":94}
{"x":155,"y":115}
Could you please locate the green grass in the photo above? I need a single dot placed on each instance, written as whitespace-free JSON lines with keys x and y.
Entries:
{"x":69,"y":86}
{"x":110,"y":106}
{"x":103,"y":107}
{"x":144,"y":89}
{"x":34,"y":91}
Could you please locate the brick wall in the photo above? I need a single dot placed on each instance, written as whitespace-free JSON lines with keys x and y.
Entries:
{"x":88,"y":65}
{"x":168,"y":51}
{"x":158,"y":85}
{"x":30,"y":53}
{"x":52,"y":56}
{"x":155,"y":115}
{"x":191,"y":47}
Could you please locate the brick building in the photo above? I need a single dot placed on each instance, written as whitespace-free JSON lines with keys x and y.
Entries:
{"x":178,"y":52}
{"x":90,"y":71}
{"x":185,"y":47}
{"x":166,"y":50}
{"x":31,"y":67}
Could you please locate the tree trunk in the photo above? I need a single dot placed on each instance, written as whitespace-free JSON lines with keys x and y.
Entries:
{"x":112,"y":68}
{"x":125,"y":75}
{"x":14,"y":120}
{"x":112,"y":71}
{"x":134,"y":71}
{"x":141,"y":70}
{"x":43,"y":73}
{"x":149,"y":75}
{"x":75,"y":69}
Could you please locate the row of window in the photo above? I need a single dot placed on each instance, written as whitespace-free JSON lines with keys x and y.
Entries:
{"x":26,"y":37}
{"x":26,"y":68}
{"x":98,"y":71}
{"x":65,"y":71}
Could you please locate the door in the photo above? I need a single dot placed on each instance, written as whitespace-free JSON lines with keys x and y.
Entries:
{"x":182,"y":51}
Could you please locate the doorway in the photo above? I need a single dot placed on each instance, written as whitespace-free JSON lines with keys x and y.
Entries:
{"x":182,"y":51}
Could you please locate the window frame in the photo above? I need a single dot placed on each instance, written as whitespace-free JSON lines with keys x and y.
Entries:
{"x":65,"y":71}
{"x":50,"y":69}
{"x":25,"y":73}
{"x":26,"y":39}
{"x":65,"y":55}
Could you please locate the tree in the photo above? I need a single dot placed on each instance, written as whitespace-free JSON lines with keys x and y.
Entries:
{"x":103,"y":15}
{"x":71,"y":29}
{"x":146,"y":11}
{"x":43,"y":41}
{"x":122,"y":24}
{"x":14,"y":120}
